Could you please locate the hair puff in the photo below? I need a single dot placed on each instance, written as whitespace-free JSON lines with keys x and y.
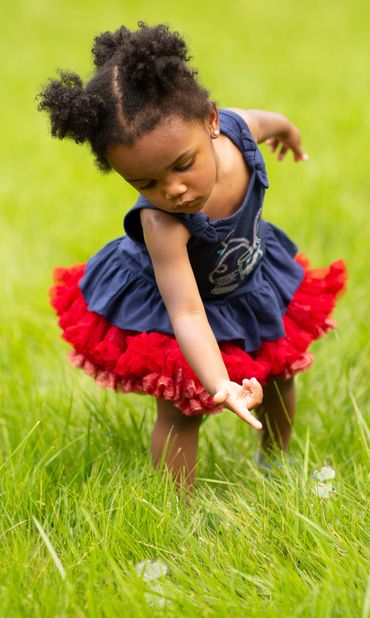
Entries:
{"x":154,"y":58}
{"x":109,"y":43}
{"x":73,"y":111}
{"x":141,"y":77}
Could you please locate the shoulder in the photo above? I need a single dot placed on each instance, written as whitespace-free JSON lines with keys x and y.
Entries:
{"x":249,"y":117}
{"x":163,"y":233}
{"x":161,"y":221}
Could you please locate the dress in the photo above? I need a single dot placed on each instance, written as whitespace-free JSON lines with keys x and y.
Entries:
{"x":265,"y":306}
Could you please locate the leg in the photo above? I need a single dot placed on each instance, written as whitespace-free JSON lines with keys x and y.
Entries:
{"x":277,"y":414}
{"x":179,"y":435}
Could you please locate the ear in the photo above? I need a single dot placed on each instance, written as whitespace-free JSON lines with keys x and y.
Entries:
{"x":212,"y":121}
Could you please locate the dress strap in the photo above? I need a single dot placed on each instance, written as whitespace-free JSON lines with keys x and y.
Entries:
{"x":200,"y":226}
{"x":236,"y":128}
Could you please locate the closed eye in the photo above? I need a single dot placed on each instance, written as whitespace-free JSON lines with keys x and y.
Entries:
{"x":185,"y":167}
{"x":148,"y":186}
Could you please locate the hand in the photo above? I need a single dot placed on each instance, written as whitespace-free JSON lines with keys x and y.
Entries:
{"x":241,"y":399}
{"x":290,"y":140}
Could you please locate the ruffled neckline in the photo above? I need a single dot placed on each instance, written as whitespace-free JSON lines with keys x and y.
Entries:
{"x":200,"y":224}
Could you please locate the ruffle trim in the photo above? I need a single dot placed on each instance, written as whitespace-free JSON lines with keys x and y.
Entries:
{"x":153,"y":364}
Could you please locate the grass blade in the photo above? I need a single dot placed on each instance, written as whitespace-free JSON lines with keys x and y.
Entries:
{"x":50,"y":548}
{"x":20,"y":445}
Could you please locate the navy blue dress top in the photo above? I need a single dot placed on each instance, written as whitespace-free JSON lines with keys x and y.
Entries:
{"x":244,"y":266}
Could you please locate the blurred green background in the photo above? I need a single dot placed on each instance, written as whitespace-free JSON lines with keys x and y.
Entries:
{"x":308,"y":60}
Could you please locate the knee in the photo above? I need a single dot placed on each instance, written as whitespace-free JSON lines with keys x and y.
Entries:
{"x":172,"y":416}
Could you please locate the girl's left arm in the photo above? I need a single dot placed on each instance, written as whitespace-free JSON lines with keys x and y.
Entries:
{"x":274,"y":129}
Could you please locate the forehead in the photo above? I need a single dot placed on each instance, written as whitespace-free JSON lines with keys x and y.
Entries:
{"x":157,"y":149}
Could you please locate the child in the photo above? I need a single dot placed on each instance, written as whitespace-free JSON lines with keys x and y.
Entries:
{"x":201,"y":302}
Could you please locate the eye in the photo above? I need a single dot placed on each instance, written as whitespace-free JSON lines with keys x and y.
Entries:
{"x":185,"y":167}
{"x":148,"y":186}
{"x":182,"y":168}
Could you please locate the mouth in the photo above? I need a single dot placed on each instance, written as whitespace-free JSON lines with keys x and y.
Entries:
{"x":187,"y":204}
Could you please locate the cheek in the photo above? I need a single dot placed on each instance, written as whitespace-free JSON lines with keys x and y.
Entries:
{"x":208,"y":170}
{"x":210,"y":175}
{"x":203,"y":180}
{"x":211,"y":162}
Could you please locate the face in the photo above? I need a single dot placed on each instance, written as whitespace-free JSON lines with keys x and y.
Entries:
{"x":174,"y":166}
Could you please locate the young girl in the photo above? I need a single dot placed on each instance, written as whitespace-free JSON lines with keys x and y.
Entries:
{"x":201,"y":302}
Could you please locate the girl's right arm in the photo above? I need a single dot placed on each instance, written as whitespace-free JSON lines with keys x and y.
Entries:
{"x":166,"y":239}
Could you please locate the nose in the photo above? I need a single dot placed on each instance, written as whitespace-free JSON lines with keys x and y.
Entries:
{"x":174,"y":188}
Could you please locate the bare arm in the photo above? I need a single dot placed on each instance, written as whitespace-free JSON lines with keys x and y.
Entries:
{"x":274,"y":129}
{"x":166,"y":240}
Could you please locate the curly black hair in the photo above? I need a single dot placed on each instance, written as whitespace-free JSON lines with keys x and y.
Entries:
{"x":140,"y":78}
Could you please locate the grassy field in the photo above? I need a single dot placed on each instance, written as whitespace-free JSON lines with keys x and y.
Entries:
{"x":81,"y":505}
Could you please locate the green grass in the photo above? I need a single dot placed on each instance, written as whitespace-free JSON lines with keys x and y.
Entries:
{"x":80,"y":502}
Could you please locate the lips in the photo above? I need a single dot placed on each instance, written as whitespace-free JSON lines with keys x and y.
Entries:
{"x":186,"y":204}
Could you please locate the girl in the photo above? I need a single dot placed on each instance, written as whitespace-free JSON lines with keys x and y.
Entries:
{"x":201,"y":302}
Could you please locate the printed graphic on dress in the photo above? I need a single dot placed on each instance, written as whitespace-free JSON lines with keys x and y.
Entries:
{"x":238,"y":258}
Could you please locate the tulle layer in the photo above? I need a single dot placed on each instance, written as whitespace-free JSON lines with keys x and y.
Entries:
{"x":153,"y":364}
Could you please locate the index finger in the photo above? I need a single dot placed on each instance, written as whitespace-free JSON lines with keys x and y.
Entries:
{"x":246,"y":416}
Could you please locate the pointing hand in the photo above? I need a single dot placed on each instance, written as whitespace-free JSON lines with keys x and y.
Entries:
{"x":240,"y":399}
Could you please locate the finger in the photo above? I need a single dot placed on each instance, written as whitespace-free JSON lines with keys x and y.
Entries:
{"x":246,"y":416}
{"x":300,"y":156}
{"x":256,"y":385}
{"x":256,"y":394}
{"x":220,"y":396}
{"x":272,"y":143}
{"x":282,"y":153}
{"x":251,"y":384}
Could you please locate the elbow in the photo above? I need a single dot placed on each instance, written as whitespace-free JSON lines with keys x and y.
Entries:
{"x":187,"y":316}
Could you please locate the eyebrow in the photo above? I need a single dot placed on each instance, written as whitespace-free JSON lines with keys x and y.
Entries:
{"x":187,"y":152}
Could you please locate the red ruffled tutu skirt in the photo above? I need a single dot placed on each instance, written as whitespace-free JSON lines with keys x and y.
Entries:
{"x":153,"y":364}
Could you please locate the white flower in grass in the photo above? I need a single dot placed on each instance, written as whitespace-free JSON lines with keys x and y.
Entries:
{"x":323,"y":482}
{"x":150,"y":571}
